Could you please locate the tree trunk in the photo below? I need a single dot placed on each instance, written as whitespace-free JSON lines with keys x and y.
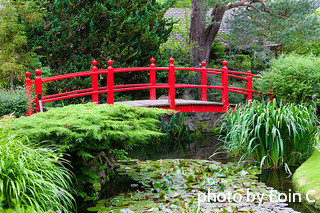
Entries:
{"x":11,"y":82}
{"x":202,"y":34}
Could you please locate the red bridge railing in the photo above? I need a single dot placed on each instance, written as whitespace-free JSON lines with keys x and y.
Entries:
{"x":152,"y":86}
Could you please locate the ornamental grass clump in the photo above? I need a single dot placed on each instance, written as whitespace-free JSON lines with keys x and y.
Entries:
{"x":272,"y":134}
{"x":32,"y":178}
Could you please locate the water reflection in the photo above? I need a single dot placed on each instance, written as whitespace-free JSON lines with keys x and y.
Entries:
{"x":281,"y":181}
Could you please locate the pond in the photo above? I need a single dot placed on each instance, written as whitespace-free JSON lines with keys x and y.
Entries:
{"x":281,"y":181}
{"x":163,"y":185}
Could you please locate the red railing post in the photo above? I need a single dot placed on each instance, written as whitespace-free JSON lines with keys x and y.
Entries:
{"x":152,"y":76}
{"x":225,"y":99}
{"x":249,"y":87}
{"x":95,"y":82}
{"x":271,"y":92}
{"x":28,"y":89}
{"x":171,"y":82}
{"x":204,"y":82}
{"x":38,"y":88}
{"x":110,"y":83}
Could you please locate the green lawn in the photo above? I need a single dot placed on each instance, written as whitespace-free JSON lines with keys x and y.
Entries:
{"x":307,"y":177}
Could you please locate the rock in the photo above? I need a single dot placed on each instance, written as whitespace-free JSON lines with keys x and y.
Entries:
{"x":163,"y":97}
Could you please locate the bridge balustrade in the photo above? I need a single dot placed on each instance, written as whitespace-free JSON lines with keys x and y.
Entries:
{"x":152,"y":86}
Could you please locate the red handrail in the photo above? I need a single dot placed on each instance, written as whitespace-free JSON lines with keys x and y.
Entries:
{"x":152,"y":86}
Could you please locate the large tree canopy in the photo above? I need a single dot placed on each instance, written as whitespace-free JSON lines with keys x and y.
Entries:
{"x":297,"y":29}
{"x":74,"y":32}
{"x":204,"y":29}
{"x":15,"y":57}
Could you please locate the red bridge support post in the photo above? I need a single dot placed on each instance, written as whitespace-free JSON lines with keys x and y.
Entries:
{"x":225,"y":98}
{"x":95,"y":82}
{"x":171,"y":82}
{"x":271,"y":92}
{"x":204,"y":82}
{"x":249,"y":87}
{"x":110,"y":83}
{"x":38,"y":88}
{"x":28,"y":88}
{"x":152,"y":77}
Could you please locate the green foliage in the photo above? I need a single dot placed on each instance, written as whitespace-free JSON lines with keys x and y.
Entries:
{"x":256,"y":61}
{"x":133,"y":43}
{"x":32,"y":178}
{"x":306,"y":179}
{"x":295,"y":78}
{"x":75,"y":32}
{"x":217,"y":53}
{"x":179,"y":44}
{"x":293,"y":25}
{"x":269,"y":134}
{"x":13,"y":101}
{"x":93,"y":136}
{"x":22,"y":210}
{"x":178,"y":134}
{"x":15,"y":56}
{"x":234,"y":98}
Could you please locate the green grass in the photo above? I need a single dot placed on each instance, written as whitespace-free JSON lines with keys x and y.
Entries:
{"x":273,"y":134}
{"x":32,"y":177}
{"x":307,"y":177}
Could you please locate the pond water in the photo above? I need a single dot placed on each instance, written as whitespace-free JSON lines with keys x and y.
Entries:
{"x":281,"y":181}
{"x":276,"y":179}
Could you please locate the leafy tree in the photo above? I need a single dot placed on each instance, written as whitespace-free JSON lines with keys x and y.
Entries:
{"x":297,"y":30}
{"x":75,"y":32}
{"x":204,"y":29}
{"x":15,"y":56}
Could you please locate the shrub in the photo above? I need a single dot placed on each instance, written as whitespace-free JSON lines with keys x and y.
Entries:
{"x":32,"y":178}
{"x":13,"y":101}
{"x":270,"y":134}
{"x":93,"y":136}
{"x":295,"y":78}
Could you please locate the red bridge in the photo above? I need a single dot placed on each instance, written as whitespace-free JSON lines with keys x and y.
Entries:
{"x":202,"y":105}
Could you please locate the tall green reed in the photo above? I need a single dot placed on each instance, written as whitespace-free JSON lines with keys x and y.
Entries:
{"x":272,"y":134}
{"x":31,"y":177}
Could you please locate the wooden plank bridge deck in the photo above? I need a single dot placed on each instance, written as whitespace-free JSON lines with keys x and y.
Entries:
{"x":180,"y":105}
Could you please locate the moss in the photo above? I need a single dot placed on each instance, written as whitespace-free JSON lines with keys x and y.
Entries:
{"x":307,"y":177}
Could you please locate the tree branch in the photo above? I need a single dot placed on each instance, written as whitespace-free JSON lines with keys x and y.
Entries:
{"x":248,"y":5}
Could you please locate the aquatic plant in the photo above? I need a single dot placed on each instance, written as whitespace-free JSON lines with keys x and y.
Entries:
{"x":272,"y":134}
{"x":182,"y":185}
